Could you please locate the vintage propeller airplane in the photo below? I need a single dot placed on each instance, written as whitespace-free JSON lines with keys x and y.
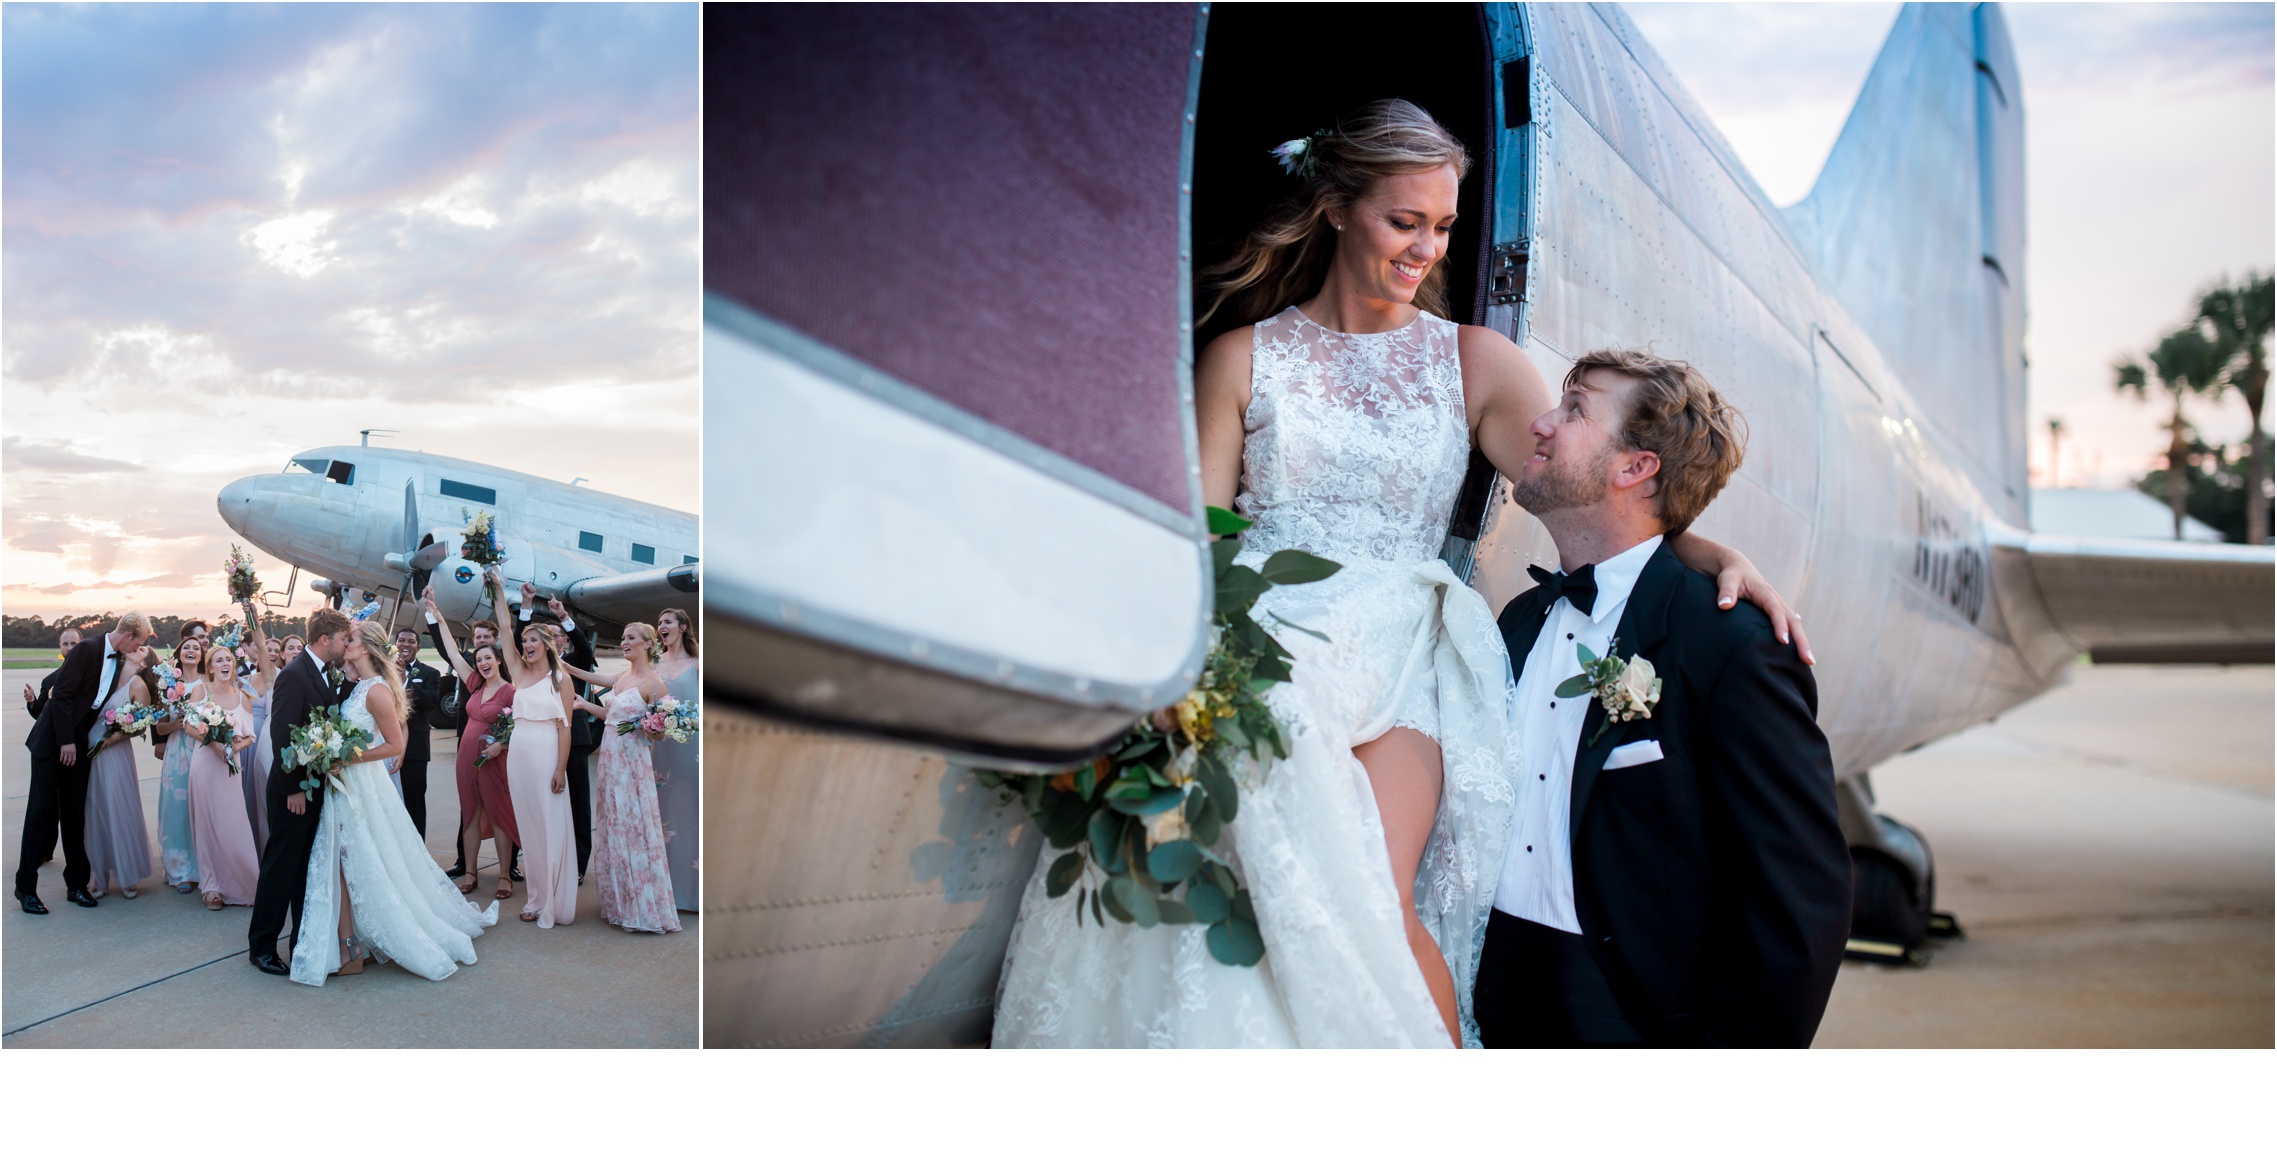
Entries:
{"x":374,"y":522}
{"x":949,"y":329}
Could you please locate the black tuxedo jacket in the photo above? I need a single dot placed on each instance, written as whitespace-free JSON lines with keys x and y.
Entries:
{"x":69,"y":712}
{"x":47,"y":687}
{"x":301,"y":688}
{"x":1712,"y":885}
{"x":422,"y":688}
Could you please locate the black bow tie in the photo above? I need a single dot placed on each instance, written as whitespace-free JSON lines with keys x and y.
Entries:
{"x":118,"y":655}
{"x":1579,"y":586}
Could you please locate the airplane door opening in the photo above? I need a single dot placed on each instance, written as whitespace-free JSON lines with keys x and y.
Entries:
{"x":1269,"y":76}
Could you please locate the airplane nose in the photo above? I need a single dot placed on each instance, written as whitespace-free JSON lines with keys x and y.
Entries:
{"x":236,"y":502}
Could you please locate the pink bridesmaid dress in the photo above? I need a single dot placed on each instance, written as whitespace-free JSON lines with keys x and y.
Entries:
{"x":228,"y":863}
{"x":541,"y":814}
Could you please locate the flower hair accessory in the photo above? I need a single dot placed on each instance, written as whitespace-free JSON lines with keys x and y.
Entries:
{"x":1301,"y":156}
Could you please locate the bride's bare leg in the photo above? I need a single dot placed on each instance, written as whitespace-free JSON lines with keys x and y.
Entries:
{"x":1406,"y":773}
{"x":350,"y":963}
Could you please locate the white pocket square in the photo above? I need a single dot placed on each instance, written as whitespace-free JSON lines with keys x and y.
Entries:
{"x":1632,"y":754}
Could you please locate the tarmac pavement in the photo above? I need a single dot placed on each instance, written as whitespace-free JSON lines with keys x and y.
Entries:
{"x":2108,"y":849}
{"x":162,"y":971}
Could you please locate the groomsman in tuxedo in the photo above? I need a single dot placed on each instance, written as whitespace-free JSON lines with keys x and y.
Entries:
{"x":56,"y":803}
{"x":584,"y":731}
{"x":421,"y":687}
{"x":311,"y":681}
{"x":1674,"y":875}
{"x":34,"y":702}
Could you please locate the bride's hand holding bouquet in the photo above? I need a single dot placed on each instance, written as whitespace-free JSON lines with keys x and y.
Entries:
{"x":322,"y":746}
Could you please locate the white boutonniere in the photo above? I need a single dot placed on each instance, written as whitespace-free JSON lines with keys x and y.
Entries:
{"x":1628,"y":688}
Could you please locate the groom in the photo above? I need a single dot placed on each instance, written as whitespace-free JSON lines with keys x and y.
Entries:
{"x":1674,"y":877}
{"x":302,"y":687}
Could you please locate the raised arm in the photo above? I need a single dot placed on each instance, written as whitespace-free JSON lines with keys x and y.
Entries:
{"x":505,"y":622}
{"x":266,"y":673}
{"x":443,"y":641}
{"x":1505,"y":393}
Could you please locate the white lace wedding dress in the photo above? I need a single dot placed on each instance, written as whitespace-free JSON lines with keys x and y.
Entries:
{"x":1355,"y":451}
{"x":406,"y":910}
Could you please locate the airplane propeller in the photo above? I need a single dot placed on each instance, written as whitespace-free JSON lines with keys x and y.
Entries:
{"x":415,"y":564}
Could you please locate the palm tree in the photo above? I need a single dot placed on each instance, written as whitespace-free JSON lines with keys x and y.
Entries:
{"x":2186,"y":361}
{"x":2239,"y":315}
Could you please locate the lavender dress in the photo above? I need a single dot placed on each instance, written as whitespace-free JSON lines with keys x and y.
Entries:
{"x":679,"y":793}
{"x":118,"y":840}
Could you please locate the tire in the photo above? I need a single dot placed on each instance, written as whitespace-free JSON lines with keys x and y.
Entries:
{"x":1885,"y":905}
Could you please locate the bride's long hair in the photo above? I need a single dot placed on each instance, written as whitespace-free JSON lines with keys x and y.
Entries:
{"x":1285,"y":259}
{"x":381,"y":652}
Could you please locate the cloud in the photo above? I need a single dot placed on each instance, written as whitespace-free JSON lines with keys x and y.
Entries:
{"x":20,"y":454}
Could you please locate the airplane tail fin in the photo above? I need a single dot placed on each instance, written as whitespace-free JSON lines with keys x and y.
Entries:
{"x":1916,"y":224}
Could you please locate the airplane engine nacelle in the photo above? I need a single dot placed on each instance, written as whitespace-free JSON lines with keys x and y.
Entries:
{"x":457,"y":584}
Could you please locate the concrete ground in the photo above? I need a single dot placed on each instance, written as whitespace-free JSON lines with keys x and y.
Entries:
{"x":2108,"y":848}
{"x":162,"y":971}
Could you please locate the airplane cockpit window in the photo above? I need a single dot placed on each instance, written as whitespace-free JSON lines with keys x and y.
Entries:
{"x":643,"y":554}
{"x":311,"y":465}
{"x":590,"y":541}
{"x":341,"y":472}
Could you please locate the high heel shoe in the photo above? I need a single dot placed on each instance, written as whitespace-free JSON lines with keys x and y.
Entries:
{"x":351,"y":957}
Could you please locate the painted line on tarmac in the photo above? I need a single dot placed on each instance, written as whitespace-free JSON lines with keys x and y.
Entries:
{"x":115,"y":995}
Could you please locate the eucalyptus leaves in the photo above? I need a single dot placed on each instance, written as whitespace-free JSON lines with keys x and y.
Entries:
{"x":1627,"y":689}
{"x":1138,"y":824}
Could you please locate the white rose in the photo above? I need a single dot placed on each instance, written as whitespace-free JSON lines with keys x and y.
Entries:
{"x":1165,"y":826}
{"x":1639,"y":687}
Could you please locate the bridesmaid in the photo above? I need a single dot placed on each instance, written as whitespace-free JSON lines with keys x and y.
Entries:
{"x":628,"y":836}
{"x":486,"y":807}
{"x":118,"y":840}
{"x":537,"y":769}
{"x":177,"y":847}
{"x":253,"y":765}
{"x":229,"y":867}
{"x":678,"y":793}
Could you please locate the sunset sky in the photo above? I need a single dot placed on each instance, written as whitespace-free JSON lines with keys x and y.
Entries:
{"x":2150,"y":172}
{"x":236,"y":232}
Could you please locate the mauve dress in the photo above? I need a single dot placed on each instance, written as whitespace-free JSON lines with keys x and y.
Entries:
{"x":679,"y":793}
{"x":228,"y":863}
{"x":118,"y":841}
{"x":628,"y":839}
{"x":487,"y":783}
{"x":549,"y":842}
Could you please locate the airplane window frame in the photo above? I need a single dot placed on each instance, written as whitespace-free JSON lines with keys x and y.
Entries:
{"x":643,"y":554}
{"x":310,"y":465}
{"x":591,"y":541}
{"x":341,"y":472}
{"x":688,"y":559}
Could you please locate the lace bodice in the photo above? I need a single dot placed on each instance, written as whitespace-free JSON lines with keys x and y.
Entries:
{"x":1356,"y":444}
{"x":356,"y":709}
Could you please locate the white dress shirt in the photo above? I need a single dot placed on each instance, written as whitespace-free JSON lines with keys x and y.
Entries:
{"x":1537,"y":868}
{"x":112,"y":661}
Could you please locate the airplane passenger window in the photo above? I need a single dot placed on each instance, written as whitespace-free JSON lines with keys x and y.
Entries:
{"x":643,"y":554}
{"x":314,"y":467}
{"x":341,"y":472}
{"x":470,"y":492}
{"x":687,"y":559}
{"x":589,"y":541}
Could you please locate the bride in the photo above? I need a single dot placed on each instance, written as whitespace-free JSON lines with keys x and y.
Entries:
{"x":369,"y":872}
{"x":1344,"y":414}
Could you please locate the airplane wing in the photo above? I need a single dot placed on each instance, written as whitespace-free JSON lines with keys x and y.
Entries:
{"x":2143,"y":601}
{"x":636,"y":595}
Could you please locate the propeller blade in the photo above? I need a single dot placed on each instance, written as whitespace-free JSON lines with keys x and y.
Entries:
{"x":410,"y":536}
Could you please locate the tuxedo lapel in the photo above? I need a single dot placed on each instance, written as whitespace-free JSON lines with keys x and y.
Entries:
{"x":1521,"y":625}
{"x":1643,"y":626}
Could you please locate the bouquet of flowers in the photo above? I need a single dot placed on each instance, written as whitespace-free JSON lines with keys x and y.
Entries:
{"x":212,"y":724}
{"x":1137,"y":824}
{"x":494,"y":741}
{"x":322,"y":746}
{"x":231,"y":636}
{"x":133,"y":719}
{"x":243,"y":584}
{"x":667,"y":718}
{"x":170,"y":689}
{"x":479,"y":542}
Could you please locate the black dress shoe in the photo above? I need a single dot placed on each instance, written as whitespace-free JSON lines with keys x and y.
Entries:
{"x":516,"y":874}
{"x":81,"y":898}
{"x":271,"y":965}
{"x":31,"y":902}
{"x":455,"y":871}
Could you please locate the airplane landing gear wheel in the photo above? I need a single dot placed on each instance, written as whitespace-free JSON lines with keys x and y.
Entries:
{"x":1889,"y":915}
